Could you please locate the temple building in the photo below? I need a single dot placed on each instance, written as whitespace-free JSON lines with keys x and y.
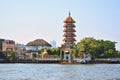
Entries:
{"x":67,"y":47}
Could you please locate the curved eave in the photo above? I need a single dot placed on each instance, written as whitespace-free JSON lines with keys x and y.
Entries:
{"x":69,"y":25}
{"x":69,"y":20}
{"x":69,"y":35}
{"x":69,"y":39}
{"x":67,"y":30}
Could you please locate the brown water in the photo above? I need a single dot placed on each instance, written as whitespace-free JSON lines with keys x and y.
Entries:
{"x":59,"y":72}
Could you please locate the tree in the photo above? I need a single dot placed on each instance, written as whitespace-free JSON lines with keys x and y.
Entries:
{"x":110,"y":53}
{"x":118,"y":54}
{"x":10,"y":55}
{"x":97,"y":47}
{"x":41,"y":51}
{"x":53,"y":51}
{"x":2,"y":55}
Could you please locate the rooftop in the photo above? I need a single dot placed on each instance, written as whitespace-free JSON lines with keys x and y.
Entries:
{"x":69,"y":19}
{"x":38,"y":42}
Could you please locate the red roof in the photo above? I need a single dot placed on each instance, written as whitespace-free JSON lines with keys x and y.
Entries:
{"x":69,"y":19}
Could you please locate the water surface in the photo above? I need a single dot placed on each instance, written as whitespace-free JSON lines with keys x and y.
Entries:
{"x":59,"y":72}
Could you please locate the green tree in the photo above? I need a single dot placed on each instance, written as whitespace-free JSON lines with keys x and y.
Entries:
{"x":97,"y":47}
{"x":76,"y":51}
{"x":110,"y":53}
{"x":118,"y":54}
{"x":10,"y":55}
{"x":41,"y":51}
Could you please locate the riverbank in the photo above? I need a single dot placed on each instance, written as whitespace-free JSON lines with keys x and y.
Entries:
{"x":59,"y":62}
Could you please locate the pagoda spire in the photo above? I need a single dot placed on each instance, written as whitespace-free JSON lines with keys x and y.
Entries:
{"x":69,"y":13}
{"x":69,"y":19}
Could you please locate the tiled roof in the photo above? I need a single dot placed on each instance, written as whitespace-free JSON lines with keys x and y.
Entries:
{"x":69,"y":19}
{"x":38,"y":42}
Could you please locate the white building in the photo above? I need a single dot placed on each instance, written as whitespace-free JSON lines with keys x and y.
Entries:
{"x":37,"y":45}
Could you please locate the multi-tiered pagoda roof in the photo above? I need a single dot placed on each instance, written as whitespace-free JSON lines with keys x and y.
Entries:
{"x":69,"y":31}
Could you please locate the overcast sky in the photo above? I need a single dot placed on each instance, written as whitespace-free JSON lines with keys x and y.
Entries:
{"x":27,"y":20}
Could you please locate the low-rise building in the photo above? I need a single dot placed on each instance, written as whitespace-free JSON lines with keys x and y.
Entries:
{"x":20,"y":48}
{"x":7,"y":45}
{"x":1,"y":41}
{"x":37,"y":45}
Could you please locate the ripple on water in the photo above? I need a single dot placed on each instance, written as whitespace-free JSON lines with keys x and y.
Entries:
{"x":59,"y":72}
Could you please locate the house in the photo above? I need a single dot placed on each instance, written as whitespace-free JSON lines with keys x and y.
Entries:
{"x":37,"y":45}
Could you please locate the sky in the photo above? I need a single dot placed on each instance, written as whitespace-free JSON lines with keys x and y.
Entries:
{"x":27,"y":20}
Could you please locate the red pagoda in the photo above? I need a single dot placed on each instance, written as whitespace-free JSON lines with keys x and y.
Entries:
{"x":67,"y":48}
{"x":69,"y":30}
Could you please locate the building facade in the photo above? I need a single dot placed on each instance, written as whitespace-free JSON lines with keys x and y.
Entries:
{"x":6,"y":45}
{"x":1,"y":40}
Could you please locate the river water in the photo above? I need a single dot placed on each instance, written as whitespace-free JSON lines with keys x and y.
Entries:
{"x":59,"y":72}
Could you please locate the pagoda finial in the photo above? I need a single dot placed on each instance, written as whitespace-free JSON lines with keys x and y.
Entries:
{"x":69,"y":13}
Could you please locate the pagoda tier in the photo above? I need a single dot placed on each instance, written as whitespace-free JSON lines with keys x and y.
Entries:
{"x":69,"y":31}
{"x":69,"y":39}
{"x":71,"y":35}
{"x":69,"y":25}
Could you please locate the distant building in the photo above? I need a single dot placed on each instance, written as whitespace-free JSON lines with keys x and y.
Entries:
{"x":53,"y":43}
{"x":37,"y":45}
{"x":2,"y":56}
{"x":20,"y":48}
{"x":7,"y":45}
{"x":1,"y":40}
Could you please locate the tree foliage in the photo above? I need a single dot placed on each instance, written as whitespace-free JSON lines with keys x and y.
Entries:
{"x":97,"y":48}
{"x":53,"y":51}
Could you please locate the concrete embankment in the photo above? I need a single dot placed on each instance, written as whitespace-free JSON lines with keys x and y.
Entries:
{"x":33,"y":61}
{"x":58,"y":61}
{"x":108,"y":60}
